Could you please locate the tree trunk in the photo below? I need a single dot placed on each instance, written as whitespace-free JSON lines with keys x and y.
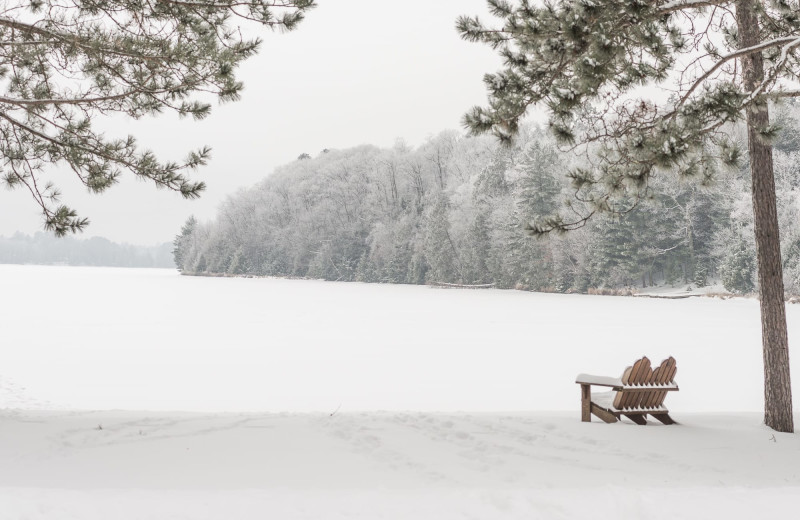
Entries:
{"x":777,"y":383}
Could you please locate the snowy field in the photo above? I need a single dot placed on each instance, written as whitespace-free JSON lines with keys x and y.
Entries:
{"x":141,"y":394}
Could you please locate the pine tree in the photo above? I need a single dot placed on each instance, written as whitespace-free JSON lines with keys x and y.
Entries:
{"x":441,"y":254}
{"x":477,"y":249}
{"x":585,"y":59}
{"x":63,"y":65}
{"x":183,"y":242}
{"x":737,"y":269}
{"x":539,"y":186}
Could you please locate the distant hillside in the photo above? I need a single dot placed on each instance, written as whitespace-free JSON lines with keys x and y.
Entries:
{"x":45,"y":249}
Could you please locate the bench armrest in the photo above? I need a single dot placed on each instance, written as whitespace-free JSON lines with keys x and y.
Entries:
{"x":587,"y":379}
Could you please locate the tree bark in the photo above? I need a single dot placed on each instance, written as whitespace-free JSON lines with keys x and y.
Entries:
{"x":777,"y":382}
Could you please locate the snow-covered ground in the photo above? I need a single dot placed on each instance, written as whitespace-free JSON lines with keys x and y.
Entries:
{"x":303,"y":399}
{"x":683,"y":290}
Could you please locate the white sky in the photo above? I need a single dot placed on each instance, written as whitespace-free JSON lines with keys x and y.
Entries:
{"x":355,"y":72}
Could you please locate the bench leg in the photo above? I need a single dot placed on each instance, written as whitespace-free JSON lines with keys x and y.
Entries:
{"x":586,"y":401}
{"x":664,"y":418}
{"x":605,"y":415}
{"x":638,"y":418}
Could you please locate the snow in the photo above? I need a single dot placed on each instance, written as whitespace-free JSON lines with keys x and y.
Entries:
{"x":606,"y":400}
{"x":393,"y":465}
{"x":306,"y":399}
{"x":565,"y":93}
{"x":153,"y":340}
{"x":678,"y":4}
{"x":598,"y":380}
{"x":683,"y":290}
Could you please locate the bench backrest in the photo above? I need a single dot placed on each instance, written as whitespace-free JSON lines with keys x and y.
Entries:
{"x":640,"y":374}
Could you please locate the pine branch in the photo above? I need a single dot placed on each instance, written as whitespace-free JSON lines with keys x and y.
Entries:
{"x":683,"y":5}
{"x":792,"y":42}
{"x":65,"y":64}
{"x":782,"y":94}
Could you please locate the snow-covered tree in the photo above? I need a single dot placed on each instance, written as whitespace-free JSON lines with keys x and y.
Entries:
{"x":354,"y":214}
{"x":183,"y":243}
{"x":737,"y":268}
{"x":720,"y":60}
{"x":441,"y":255}
{"x":63,"y":65}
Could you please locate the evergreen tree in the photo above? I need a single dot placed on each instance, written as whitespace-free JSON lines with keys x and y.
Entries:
{"x":492,"y":182}
{"x":737,"y":270}
{"x":238,"y":263}
{"x":618,"y":252}
{"x":477,"y":250}
{"x":584,"y":60}
{"x":63,"y":65}
{"x":539,"y":186}
{"x":441,"y":254}
{"x":182,"y":243}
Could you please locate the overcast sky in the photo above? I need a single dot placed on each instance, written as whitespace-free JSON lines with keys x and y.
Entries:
{"x":354,"y":72}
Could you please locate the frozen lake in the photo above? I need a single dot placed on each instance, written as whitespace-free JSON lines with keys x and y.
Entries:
{"x":138,"y":339}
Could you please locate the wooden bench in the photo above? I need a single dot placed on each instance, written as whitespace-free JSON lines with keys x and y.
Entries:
{"x":638,"y":393}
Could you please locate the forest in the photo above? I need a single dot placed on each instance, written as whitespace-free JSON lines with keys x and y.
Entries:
{"x":46,"y":249}
{"x":456,"y":209}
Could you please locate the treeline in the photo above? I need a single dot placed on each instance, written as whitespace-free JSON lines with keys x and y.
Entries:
{"x":45,"y":249}
{"x":453,"y":210}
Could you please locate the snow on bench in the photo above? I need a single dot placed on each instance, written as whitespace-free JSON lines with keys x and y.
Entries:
{"x":616,"y":383}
